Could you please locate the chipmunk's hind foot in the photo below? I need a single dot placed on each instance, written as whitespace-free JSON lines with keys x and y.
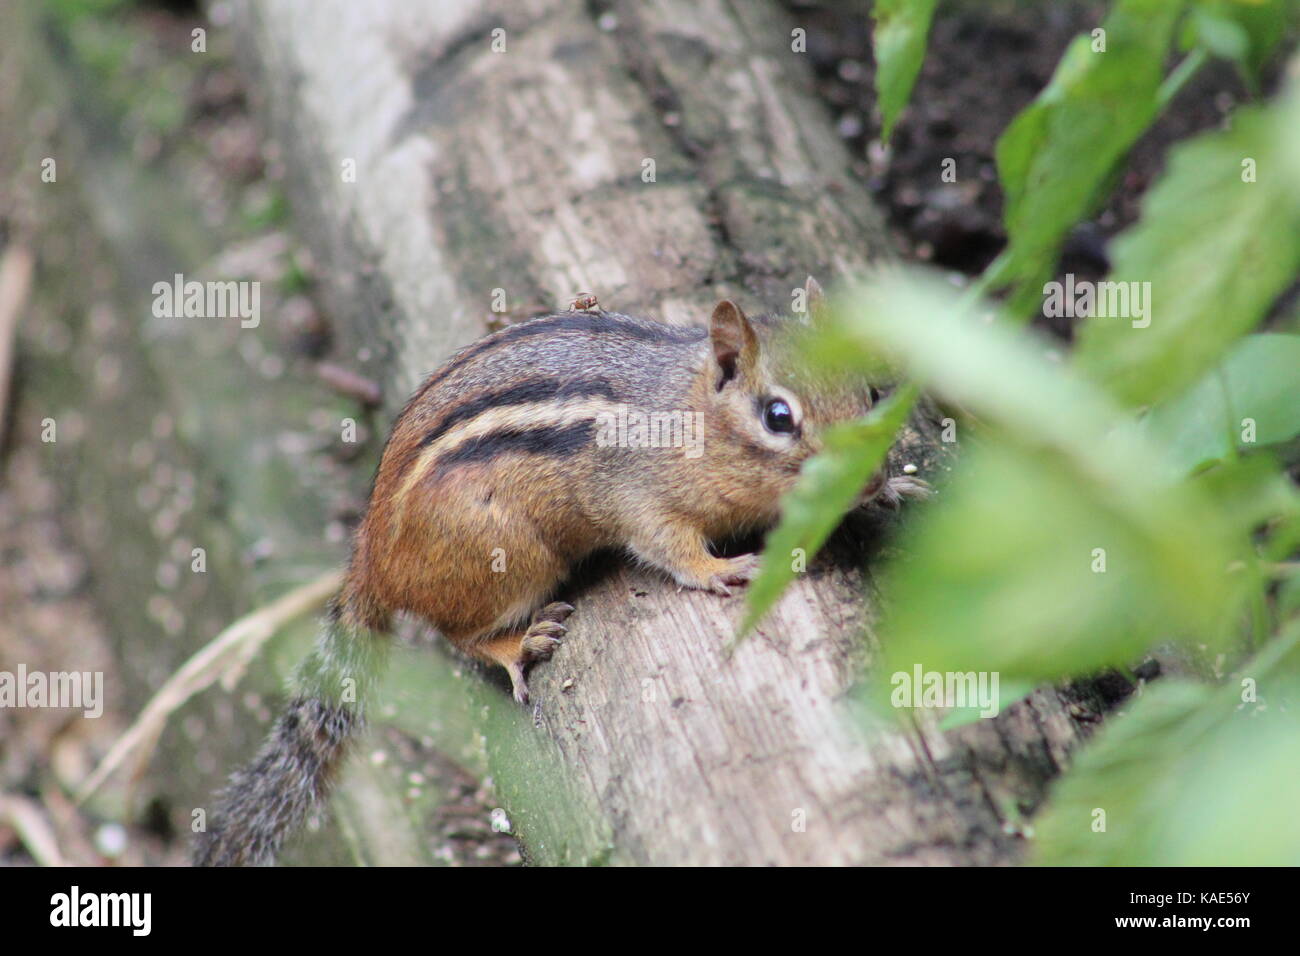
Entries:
{"x":545,"y":633}
{"x":517,"y":652}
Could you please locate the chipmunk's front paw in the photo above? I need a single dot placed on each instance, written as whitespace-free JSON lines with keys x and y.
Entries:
{"x":904,"y":486}
{"x":736,"y":571}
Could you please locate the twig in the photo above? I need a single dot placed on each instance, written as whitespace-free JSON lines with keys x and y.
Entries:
{"x":1178,"y":78}
{"x":225,"y":658}
{"x":352,"y":384}
{"x":15,"y":284}
{"x":28,"y":820}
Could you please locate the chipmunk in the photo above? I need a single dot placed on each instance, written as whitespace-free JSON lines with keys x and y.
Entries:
{"x":495,"y":480}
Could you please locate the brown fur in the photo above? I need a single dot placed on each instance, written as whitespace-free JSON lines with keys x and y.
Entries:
{"x":443,"y":510}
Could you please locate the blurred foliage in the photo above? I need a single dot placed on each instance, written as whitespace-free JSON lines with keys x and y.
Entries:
{"x":1191,"y":775}
{"x":898,"y":43}
{"x":1133,"y":495}
{"x":70,"y":11}
{"x":1059,"y":155}
{"x":1216,"y":247}
{"x":133,"y":79}
{"x":1245,"y":32}
{"x":264,"y":208}
{"x":1258,"y":373}
{"x":999,"y":576}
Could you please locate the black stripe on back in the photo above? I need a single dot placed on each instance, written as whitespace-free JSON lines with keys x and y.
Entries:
{"x":601,"y":322}
{"x":525,"y":393}
{"x":554,"y":441}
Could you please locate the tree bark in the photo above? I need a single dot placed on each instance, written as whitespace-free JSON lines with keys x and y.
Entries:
{"x":433,"y":170}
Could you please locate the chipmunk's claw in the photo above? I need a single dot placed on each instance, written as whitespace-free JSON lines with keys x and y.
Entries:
{"x":904,"y":486}
{"x":545,"y":633}
{"x":740,"y":570}
{"x":518,"y":685}
{"x":555,"y":611}
{"x":538,"y":643}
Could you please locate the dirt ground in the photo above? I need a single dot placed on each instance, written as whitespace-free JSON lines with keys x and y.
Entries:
{"x":985,"y":63}
{"x":982,"y":67}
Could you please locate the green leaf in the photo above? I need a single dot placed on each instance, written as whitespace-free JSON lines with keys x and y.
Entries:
{"x":1002,"y":572}
{"x":1251,"y":492}
{"x":1212,"y":249}
{"x":899,"y":45}
{"x":1258,"y":380}
{"x":828,"y":487}
{"x":1288,"y":596}
{"x":1060,"y":151}
{"x":1035,"y":569}
{"x":1243,"y":31}
{"x":1221,"y":35}
{"x":1188,"y":776}
{"x":998,"y":373}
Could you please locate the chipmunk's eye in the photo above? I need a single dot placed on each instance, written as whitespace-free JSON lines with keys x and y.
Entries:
{"x":778,"y":417}
{"x":875,"y":396}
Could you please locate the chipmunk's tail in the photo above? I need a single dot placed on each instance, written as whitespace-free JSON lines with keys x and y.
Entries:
{"x":293,"y":773}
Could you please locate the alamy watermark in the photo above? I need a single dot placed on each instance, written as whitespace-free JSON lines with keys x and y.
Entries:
{"x":133,"y":911}
{"x":1106,"y":300}
{"x":633,"y":428}
{"x":180,"y":299}
{"x":967,"y":689}
{"x":57,"y":689}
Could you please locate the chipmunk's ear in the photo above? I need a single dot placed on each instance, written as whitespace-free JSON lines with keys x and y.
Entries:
{"x":735,"y":346}
{"x":814,"y":300}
